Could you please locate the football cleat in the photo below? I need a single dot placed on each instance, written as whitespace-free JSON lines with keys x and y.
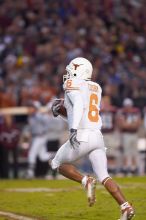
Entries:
{"x":127,"y":212}
{"x":30,"y":174}
{"x":91,"y":190}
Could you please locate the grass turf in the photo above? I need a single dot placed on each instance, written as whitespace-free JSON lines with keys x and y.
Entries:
{"x":65,"y":199}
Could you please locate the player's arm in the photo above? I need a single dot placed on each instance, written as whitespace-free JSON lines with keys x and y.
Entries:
{"x":123,"y":124}
{"x":72,"y":89}
{"x":73,"y":92}
{"x":77,"y":102}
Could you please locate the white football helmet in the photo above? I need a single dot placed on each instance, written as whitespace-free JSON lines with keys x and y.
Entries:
{"x":80,"y":68}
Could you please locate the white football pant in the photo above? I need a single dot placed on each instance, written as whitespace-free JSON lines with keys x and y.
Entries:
{"x":93,"y":146}
{"x":38,"y":148}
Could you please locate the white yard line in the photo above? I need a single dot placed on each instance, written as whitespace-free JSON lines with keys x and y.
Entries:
{"x":40,"y":189}
{"x":70,"y":189}
{"x":15,"y":216}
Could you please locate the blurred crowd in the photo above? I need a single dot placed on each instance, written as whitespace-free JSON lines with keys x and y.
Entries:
{"x":39,"y":37}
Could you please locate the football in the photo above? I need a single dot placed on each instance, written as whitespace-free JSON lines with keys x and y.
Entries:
{"x":62,"y":109}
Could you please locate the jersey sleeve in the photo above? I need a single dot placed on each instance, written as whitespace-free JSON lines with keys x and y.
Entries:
{"x":73,"y":91}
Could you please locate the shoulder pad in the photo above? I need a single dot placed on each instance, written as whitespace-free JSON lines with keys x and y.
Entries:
{"x":72,"y":84}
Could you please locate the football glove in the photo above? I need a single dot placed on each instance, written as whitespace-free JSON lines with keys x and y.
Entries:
{"x":55,"y":108}
{"x":73,"y":138}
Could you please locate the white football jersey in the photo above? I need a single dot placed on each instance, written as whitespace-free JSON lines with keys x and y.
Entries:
{"x":82,"y":102}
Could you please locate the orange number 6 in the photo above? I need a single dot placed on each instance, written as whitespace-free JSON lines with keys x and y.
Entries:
{"x":93,"y":111}
{"x":69,"y":83}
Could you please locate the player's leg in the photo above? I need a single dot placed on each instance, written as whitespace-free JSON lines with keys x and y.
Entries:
{"x":43,"y":154}
{"x":89,"y":183}
{"x":66,"y":154}
{"x":135,"y":156}
{"x":70,"y":172}
{"x":99,"y":164}
{"x":126,"y":208}
{"x":127,"y":158}
{"x":63,"y":159}
{"x":32,"y":155}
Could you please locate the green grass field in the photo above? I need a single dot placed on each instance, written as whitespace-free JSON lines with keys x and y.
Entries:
{"x":65,"y":199}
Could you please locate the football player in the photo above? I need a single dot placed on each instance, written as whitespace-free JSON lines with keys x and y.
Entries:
{"x":110,"y":133}
{"x":82,"y":102}
{"x":38,"y":127}
{"x":129,"y":123}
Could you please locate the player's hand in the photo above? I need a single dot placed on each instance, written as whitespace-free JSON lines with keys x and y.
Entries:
{"x":55,"y":107}
{"x":73,"y":138}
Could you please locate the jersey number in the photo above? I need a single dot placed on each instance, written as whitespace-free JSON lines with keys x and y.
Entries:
{"x":69,"y":83}
{"x":93,"y":110}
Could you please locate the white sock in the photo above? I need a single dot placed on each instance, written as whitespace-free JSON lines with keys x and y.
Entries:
{"x":84,"y":181}
{"x":124,"y":205}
